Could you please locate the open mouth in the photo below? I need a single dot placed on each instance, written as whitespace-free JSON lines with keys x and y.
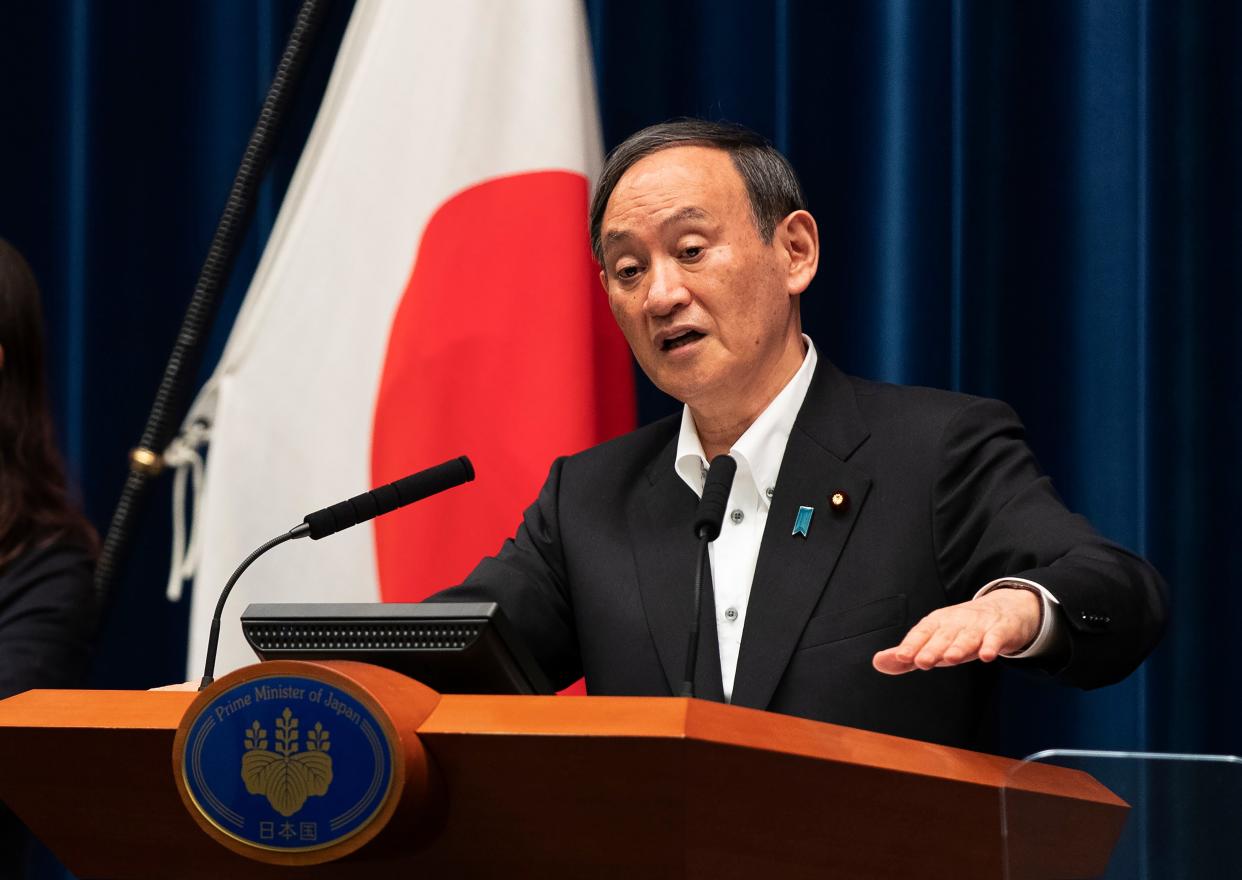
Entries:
{"x":680,"y":340}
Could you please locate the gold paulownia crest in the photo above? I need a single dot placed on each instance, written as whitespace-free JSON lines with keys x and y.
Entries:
{"x":287,"y":775}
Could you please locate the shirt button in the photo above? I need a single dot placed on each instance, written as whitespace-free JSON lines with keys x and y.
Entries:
{"x":730,"y":614}
{"x":769,"y":491}
{"x":737,"y":516}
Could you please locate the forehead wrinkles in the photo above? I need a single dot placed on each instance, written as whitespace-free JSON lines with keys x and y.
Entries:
{"x":661,"y":219}
{"x":627,"y":210}
{"x":662,"y":189}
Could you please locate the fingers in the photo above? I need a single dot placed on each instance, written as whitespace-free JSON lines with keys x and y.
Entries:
{"x":932,"y":653}
{"x":922,"y":648}
{"x":937,"y":640}
{"x":967,"y":646}
{"x":994,"y":643}
{"x":889,"y":663}
{"x":180,"y":686}
{"x":981,"y":629}
{"x":899,"y":659}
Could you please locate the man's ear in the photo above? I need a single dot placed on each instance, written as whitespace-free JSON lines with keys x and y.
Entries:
{"x":603,"y":280}
{"x":798,"y":237}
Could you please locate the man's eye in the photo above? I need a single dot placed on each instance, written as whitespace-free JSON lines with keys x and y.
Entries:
{"x":693,"y":251}
{"x":627,"y":272}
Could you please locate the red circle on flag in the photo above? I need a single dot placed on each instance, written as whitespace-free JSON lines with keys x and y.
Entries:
{"x":503,"y":349}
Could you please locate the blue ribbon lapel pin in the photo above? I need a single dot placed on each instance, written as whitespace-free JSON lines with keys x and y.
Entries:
{"x":802,"y":523}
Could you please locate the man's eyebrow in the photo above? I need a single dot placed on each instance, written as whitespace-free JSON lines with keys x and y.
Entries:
{"x":688,"y":213}
{"x":614,"y":237}
{"x":680,"y":216}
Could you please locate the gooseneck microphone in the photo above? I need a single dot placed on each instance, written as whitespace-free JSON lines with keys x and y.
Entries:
{"x":388,"y":498}
{"x":331,"y":520}
{"x":707,"y":522}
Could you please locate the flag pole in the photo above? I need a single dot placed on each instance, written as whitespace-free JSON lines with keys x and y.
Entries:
{"x":145,"y":460}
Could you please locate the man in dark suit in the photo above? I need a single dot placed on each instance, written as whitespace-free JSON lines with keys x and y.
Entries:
{"x":932,"y":541}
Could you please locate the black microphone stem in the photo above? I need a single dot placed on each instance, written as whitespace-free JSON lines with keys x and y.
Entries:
{"x":712,"y":503}
{"x":301,"y":530}
{"x":692,"y":650}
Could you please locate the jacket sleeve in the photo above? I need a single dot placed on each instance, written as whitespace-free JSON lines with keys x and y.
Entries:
{"x":527,"y":578}
{"x":996,"y":515}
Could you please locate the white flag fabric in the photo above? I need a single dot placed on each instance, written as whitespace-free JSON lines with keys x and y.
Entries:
{"x":427,"y":292}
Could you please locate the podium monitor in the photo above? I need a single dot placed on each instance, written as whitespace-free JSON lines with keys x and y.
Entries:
{"x":452,"y":647}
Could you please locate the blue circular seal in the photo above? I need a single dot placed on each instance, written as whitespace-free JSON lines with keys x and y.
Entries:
{"x":287,"y":763}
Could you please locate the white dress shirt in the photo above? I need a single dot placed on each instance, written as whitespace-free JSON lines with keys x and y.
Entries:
{"x":733,"y":555}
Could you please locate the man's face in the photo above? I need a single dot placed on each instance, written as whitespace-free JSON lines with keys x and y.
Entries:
{"x":705,"y":305}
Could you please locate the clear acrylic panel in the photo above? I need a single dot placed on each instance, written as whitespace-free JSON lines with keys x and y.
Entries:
{"x":1115,"y":815}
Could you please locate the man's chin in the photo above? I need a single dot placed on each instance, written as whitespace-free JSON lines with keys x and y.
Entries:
{"x":691,"y":389}
{"x":696,"y":374}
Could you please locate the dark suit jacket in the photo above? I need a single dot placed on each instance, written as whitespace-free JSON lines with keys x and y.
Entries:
{"x":47,"y":626}
{"x":943,"y":497}
{"x":47,"y":619}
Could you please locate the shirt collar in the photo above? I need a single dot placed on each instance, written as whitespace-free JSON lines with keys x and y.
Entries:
{"x":760,"y":450}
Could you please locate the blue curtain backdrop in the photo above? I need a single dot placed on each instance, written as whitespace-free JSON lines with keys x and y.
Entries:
{"x":1034,"y":201}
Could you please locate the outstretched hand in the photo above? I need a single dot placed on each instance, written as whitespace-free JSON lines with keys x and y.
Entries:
{"x":179,"y":686}
{"x":1002,"y":622}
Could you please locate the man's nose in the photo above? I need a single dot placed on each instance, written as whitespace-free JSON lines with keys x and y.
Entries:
{"x":666,"y":289}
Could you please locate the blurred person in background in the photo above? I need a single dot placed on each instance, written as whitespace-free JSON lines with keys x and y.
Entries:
{"x":48,"y":611}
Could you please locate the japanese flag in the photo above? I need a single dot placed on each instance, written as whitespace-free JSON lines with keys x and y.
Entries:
{"x":428,"y":291}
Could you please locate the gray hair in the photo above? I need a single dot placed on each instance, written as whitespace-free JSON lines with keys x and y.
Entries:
{"x":771,"y":183}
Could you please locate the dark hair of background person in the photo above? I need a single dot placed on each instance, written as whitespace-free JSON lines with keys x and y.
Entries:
{"x":771,"y":183}
{"x":35,"y":506}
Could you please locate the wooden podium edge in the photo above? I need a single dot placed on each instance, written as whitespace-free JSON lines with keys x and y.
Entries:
{"x":414,"y":714}
{"x":721,"y":724}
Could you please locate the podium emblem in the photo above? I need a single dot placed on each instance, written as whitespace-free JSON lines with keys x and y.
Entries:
{"x":284,"y":774}
{"x":287,"y":763}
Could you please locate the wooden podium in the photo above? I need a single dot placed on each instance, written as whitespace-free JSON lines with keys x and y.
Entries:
{"x":561,"y":787}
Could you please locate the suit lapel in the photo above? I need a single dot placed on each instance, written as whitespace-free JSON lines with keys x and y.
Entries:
{"x":666,"y":552}
{"x":792,"y":571}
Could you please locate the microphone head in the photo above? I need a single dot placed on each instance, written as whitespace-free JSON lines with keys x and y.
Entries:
{"x":715,"y":497}
{"x":385,"y":499}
